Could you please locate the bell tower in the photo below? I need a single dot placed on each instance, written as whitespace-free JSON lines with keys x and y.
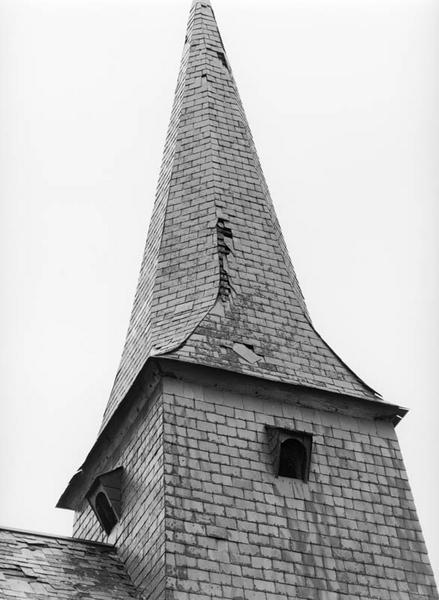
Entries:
{"x":239,"y":457}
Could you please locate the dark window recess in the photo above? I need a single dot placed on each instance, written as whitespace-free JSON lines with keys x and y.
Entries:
{"x":224,"y":235}
{"x":292,"y":459}
{"x":222,"y":59}
{"x":105,"y":512}
{"x":104,"y":497}
{"x":291,"y":451}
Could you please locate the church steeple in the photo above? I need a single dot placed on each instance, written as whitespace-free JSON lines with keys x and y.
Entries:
{"x":217,"y":286}
{"x":239,"y":457}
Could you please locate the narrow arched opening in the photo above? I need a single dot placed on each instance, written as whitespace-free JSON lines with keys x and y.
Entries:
{"x":293,"y":459}
{"x":105,"y":512}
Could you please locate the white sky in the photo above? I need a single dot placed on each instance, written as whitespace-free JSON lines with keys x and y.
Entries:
{"x":343,"y":101}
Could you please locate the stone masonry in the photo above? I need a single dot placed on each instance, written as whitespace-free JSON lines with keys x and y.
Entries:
{"x":207,"y":518}
{"x":138,"y":447}
{"x":235,"y":530}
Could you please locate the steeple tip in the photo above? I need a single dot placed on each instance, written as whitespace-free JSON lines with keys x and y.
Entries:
{"x":205,"y":2}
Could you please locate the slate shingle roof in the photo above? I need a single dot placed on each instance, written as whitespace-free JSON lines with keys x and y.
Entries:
{"x":217,"y":286}
{"x":36,"y":567}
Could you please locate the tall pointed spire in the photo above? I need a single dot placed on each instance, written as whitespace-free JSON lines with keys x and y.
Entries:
{"x":216,"y":285}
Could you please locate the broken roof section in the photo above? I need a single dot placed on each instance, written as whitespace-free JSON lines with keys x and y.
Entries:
{"x":216,"y":271}
{"x":36,"y":566}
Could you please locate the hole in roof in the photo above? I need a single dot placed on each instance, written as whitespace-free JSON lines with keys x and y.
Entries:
{"x":223,"y":233}
{"x":223,"y":60}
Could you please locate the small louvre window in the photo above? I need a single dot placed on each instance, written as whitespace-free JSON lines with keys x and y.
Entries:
{"x":104,"y":497}
{"x":291,"y":453}
{"x":292,"y":459}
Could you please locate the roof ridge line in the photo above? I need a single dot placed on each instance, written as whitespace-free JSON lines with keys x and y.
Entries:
{"x":269,"y":206}
{"x":57,"y":537}
{"x":377,"y":394}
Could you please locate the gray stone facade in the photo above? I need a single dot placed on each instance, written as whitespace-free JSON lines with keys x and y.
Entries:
{"x":205,"y":515}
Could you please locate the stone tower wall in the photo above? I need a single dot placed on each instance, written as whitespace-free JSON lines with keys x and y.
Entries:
{"x":236,"y":531}
{"x":204,"y":515}
{"x":140,"y":534}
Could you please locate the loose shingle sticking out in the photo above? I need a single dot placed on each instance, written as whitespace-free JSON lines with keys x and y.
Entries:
{"x":247,"y":352}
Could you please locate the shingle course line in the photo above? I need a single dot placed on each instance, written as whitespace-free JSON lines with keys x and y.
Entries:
{"x":56,"y":537}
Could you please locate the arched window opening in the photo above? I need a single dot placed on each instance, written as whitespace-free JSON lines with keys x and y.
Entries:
{"x":104,"y":497}
{"x":290,"y":452}
{"x":293,"y":459}
{"x":105,"y":512}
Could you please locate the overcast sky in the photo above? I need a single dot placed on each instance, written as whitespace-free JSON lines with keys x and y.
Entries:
{"x":343,"y":101}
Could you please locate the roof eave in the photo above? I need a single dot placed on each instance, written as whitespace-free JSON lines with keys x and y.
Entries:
{"x":165,"y":365}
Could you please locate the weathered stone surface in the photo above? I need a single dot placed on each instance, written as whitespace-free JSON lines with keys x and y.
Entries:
{"x":228,"y":527}
{"x":40,"y":567}
{"x":235,"y":530}
{"x":140,"y":534}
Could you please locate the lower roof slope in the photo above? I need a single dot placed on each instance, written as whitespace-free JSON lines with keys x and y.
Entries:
{"x":37,"y":567}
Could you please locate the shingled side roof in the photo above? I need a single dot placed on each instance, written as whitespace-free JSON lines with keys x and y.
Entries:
{"x":217,"y":286}
{"x":38,"y":567}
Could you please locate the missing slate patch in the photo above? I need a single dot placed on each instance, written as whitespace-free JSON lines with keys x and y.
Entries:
{"x":218,"y":533}
{"x":222,"y":58}
{"x":224,"y":235}
{"x":18,"y":571}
